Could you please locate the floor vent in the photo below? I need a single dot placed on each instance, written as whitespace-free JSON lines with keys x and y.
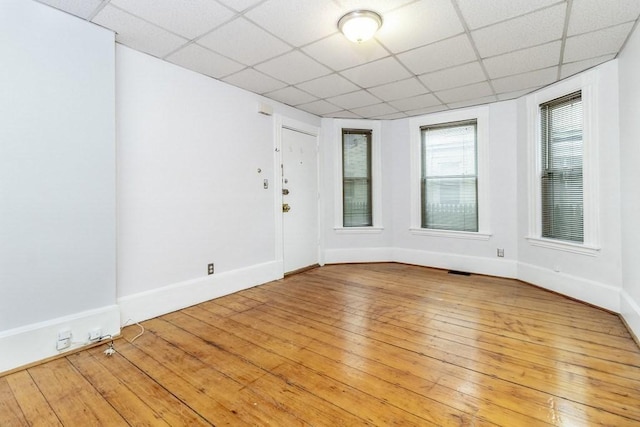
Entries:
{"x":459,"y":273}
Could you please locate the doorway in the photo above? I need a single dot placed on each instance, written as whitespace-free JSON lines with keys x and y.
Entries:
{"x":299,"y":199}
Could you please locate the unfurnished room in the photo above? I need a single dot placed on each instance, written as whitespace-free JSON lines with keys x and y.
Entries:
{"x":320,"y":212}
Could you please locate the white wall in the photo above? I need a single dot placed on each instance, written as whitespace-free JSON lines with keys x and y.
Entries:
{"x":629,"y":70}
{"x":595,"y":279}
{"x":356,"y":244}
{"x":397,"y":243}
{"x":57,"y":181}
{"x":189,"y":191}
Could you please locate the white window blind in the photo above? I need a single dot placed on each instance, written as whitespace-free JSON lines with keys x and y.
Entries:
{"x":356,"y":178}
{"x":561,"y":175}
{"x":449,"y":176}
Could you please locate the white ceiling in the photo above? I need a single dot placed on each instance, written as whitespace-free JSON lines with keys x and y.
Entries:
{"x":429,"y":55}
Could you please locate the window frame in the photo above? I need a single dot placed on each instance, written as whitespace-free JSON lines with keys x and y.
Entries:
{"x":425,"y":177}
{"x":481,"y":116}
{"x":376,"y":176}
{"x":587,"y":85}
{"x":369,"y":138}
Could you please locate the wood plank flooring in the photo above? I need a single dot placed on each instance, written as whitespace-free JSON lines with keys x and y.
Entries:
{"x":344,"y":345}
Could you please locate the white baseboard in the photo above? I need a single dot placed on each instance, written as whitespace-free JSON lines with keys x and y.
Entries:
{"x":146,"y":305}
{"x":630,"y":311}
{"x":31,"y":343}
{"x":595,"y":293}
{"x":471,"y":264}
{"x":346,"y":256}
{"x":478,"y":265}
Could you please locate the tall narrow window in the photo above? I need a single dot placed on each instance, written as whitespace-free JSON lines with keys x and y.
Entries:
{"x":561,"y":174}
{"x":356,"y":178}
{"x":449,"y":176}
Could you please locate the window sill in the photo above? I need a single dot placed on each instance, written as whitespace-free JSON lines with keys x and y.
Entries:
{"x":558,"y":245}
{"x":469,"y":235}
{"x":358,"y":230}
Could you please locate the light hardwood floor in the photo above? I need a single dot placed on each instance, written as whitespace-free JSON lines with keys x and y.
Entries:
{"x":365,"y":344}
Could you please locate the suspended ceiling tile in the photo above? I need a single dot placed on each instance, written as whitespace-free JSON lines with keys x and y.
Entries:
{"x":472,"y":102}
{"x":572,"y":68}
{"x":298,"y":22}
{"x":427,"y":110}
{"x":481,"y":13}
{"x":291,"y":96}
{"x":328,"y":86}
{"x":204,"y":61}
{"x":187,"y":18}
{"x":376,"y":73}
{"x":345,"y":115}
{"x":239,"y":5}
{"x":533,"y":79}
{"x":476,"y":90}
{"x":254,"y":81}
{"x":82,"y":8}
{"x":375,"y":110}
{"x":357,"y":99}
{"x":319,"y":108}
{"x":461,"y":75}
{"x":418,"y":24}
{"x":392,"y":116}
{"x":513,"y":95}
{"x":379,"y":6}
{"x":138,"y":34}
{"x":590,"y":15}
{"x":293,"y":67}
{"x":255,"y":45}
{"x":522,"y":61}
{"x":413,"y":103}
{"x":339,"y":53}
{"x":597,"y":43}
{"x":438,"y":56}
{"x":529,"y":30}
{"x":397,"y":90}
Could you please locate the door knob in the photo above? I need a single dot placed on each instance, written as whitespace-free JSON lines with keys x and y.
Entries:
{"x":286,"y":207}
{"x":285,"y":191}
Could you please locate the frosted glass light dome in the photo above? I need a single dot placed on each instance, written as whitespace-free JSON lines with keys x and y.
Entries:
{"x":360,"y":25}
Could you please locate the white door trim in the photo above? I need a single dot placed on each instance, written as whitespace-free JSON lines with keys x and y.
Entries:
{"x":283,"y":122}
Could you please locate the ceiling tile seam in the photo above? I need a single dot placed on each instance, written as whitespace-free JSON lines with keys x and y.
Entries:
{"x":563,"y":43}
{"x":467,"y":32}
{"x":148,"y":22}
{"x":206,"y":33}
{"x":626,"y":40}
{"x":619,"y":24}
{"x":520,"y":50}
{"x":98,"y":9}
{"x":518,"y":16}
{"x":241,"y":12}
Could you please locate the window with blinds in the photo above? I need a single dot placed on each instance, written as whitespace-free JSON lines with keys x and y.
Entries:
{"x":449,"y":176}
{"x":561,"y":163}
{"x":356,"y":178}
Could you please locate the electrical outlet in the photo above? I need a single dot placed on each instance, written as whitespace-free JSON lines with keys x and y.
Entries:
{"x":64,"y":339}
{"x":501,"y":253}
{"x":210,"y":268}
{"x":95,"y":334}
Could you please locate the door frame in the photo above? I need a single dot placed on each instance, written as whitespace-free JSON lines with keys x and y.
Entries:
{"x":282,"y":122}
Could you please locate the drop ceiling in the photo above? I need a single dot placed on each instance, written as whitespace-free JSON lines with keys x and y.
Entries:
{"x":429,"y":55}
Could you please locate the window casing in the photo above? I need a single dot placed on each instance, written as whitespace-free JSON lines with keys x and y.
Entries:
{"x":561,"y":177}
{"x":588,"y":85}
{"x":357,"y":209}
{"x":449,"y":179}
{"x":374,"y":130}
{"x":479,"y":115}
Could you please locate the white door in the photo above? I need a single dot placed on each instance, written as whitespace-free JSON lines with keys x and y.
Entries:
{"x":299,"y":199}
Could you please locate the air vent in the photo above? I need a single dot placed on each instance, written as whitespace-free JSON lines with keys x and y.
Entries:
{"x":459,"y":273}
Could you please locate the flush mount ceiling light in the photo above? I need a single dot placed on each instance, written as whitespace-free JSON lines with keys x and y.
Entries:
{"x":360,"y":25}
